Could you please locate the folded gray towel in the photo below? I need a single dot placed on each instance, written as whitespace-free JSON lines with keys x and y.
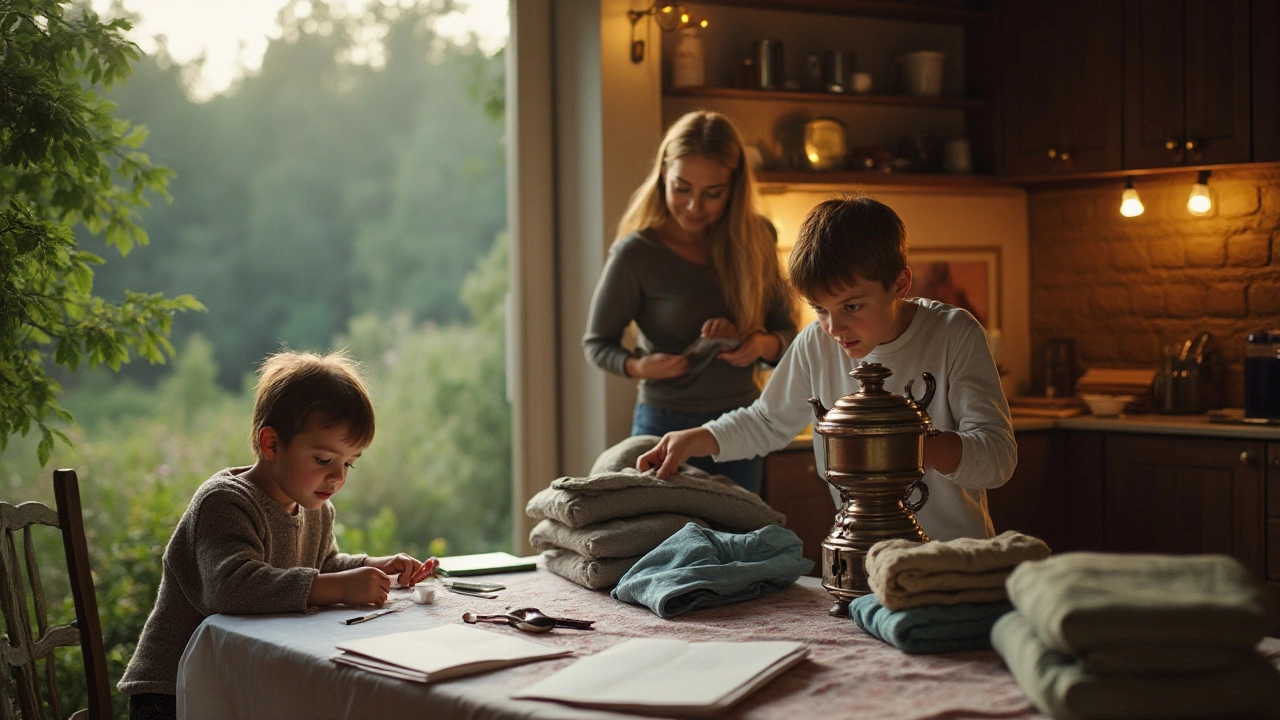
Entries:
{"x":589,"y":573}
{"x":624,"y":454}
{"x":1060,"y":687}
{"x":621,"y":538}
{"x":627,"y":493}
{"x":1079,"y":602}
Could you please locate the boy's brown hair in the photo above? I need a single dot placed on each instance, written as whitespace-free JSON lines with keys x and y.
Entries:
{"x":296,"y":390}
{"x":843,"y":238}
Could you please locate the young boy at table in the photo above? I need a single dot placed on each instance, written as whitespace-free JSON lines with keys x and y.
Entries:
{"x":259,"y":539}
{"x":849,"y":264}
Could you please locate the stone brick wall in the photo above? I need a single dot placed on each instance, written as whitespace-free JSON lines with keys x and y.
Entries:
{"x":1125,"y":287}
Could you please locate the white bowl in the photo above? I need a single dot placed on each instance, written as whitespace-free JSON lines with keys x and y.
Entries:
{"x":1106,"y":405}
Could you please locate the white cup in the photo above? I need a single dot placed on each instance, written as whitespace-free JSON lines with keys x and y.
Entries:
{"x":957,"y":160}
{"x":860,"y":82}
{"x":922,"y":73}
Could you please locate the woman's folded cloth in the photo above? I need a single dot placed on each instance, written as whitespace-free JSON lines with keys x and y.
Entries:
{"x":905,"y":574}
{"x":930,"y":629}
{"x":590,"y":573}
{"x":1081,"y":602}
{"x":698,"y":567}
{"x":622,"y":538}
{"x":1060,"y":687}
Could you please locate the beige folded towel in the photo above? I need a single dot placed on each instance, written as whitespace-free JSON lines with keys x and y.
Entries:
{"x":1078,"y":602}
{"x":905,"y":574}
{"x":624,"y":455}
{"x":591,"y":574}
{"x":622,"y":538}
{"x":1060,"y":687}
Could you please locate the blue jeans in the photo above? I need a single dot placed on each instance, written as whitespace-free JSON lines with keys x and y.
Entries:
{"x":650,"y":420}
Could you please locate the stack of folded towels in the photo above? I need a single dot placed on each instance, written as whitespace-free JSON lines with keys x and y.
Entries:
{"x":593,"y":529}
{"x":1140,"y":636}
{"x":938,"y":597}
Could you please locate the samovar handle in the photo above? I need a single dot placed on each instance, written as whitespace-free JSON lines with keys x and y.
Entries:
{"x":924,"y":496}
{"x":929,"y":386}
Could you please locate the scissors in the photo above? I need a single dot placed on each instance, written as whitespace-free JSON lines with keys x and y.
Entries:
{"x":530,"y":620}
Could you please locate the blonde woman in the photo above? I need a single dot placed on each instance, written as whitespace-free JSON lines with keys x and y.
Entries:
{"x":693,"y":259}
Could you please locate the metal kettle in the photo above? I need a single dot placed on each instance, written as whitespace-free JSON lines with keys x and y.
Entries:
{"x":1183,"y":384}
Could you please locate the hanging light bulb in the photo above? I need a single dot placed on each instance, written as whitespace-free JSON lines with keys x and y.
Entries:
{"x":1130,"y":203}
{"x":1200,"y":203}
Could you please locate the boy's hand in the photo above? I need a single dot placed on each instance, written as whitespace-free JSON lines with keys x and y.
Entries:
{"x":676,"y":447}
{"x":404,"y":568}
{"x":364,"y":586}
{"x":942,"y":452}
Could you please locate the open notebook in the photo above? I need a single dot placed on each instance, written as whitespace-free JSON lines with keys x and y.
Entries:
{"x":441,"y":653}
{"x":668,"y":677}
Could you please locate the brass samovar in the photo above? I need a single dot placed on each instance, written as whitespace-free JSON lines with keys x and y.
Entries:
{"x":873,"y":442}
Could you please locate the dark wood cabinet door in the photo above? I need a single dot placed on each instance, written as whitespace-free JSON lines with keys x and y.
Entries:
{"x":1186,"y":78}
{"x":1034,"y":499}
{"x":1266,"y":80}
{"x":1217,"y":73}
{"x":1063,"y":88}
{"x":1154,"y":84}
{"x":1181,"y":495}
{"x":793,"y":488}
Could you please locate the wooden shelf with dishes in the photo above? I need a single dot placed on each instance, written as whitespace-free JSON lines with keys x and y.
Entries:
{"x":719,"y":93}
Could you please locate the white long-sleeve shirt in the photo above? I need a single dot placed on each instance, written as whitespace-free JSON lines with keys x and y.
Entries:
{"x":941,"y":339}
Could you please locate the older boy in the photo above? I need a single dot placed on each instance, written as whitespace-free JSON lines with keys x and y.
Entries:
{"x":260,"y":539}
{"x":849,"y":263}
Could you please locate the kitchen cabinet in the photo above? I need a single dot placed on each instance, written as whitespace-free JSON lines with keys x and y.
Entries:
{"x":876,"y":32}
{"x":1186,"y":82}
{"x":1033,"y":499}
{"x":1273,"y":520}
{"x":1061,"y":107}
{"x":1266,"y":80}
{"x":793,"y":488}
{"x":1183,"y":495}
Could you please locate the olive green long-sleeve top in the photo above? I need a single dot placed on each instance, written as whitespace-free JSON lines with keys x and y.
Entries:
{"x":669,"y":298}
{"x":234,"y":551}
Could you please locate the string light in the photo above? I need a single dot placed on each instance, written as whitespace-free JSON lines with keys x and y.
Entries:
{"x":1130,"y":203}
{"x":1199,"y":202}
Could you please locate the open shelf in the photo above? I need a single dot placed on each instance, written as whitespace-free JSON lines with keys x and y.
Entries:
{"x":813,"y":177}
{"x":915,"y":11}
{"x":818,"y":97}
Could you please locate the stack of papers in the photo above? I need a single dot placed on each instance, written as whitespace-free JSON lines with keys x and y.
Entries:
{"x":668,"y":677}
{"x":485,"y":564}
{"x":441,"y":653}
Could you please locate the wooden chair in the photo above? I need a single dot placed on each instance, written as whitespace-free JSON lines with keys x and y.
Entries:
{"x":23,"y":651}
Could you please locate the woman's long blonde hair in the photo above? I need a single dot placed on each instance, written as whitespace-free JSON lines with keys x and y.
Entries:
{"x":743,"y":250}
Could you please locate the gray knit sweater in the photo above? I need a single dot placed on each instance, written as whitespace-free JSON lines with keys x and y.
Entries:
{"x":234,"y":551}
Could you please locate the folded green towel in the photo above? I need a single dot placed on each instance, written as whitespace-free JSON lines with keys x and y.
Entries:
{"x":1060,"y":687}
{"x":929,"y":629}
{"x":1079,"y":602}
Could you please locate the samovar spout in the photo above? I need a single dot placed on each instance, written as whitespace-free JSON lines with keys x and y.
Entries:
{"x":819,"y":410}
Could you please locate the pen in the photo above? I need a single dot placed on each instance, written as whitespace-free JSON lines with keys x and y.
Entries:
{"x":372,"y":615}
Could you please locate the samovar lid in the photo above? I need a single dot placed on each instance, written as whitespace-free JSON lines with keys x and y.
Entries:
{"x":875,"y":409}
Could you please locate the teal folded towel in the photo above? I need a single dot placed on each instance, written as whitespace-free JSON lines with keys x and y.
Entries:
{"x":1060,"y":686}
{"x":930,"y":629}
{"x":698,"y":567}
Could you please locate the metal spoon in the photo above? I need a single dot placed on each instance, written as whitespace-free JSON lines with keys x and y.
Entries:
{"x":539,"y":624}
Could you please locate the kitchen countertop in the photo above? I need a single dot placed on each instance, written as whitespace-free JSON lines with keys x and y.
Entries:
{"x":1197,"y":425}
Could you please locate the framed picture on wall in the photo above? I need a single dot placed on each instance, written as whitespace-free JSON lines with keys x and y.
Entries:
{"x":967,"y":277}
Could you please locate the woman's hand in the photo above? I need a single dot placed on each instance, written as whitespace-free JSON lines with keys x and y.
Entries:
{"x":657,"y":366}
{"x":755,"y":347}
{"x":406,"y":569}
{"x":718,"y":328}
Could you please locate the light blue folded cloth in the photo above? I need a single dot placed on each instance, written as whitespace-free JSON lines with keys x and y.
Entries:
{"x":698,"y":567}
{"x":930,"y":629}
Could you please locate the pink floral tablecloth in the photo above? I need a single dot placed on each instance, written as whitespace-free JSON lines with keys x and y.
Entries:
{"x":277,"y":666}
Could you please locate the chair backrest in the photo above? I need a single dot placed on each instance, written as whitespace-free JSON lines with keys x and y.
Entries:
{"x":21,"y":595}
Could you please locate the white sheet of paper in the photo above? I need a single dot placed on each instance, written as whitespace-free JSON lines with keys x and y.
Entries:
{"x":659,"y":675}
{"x":442,"y":652}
